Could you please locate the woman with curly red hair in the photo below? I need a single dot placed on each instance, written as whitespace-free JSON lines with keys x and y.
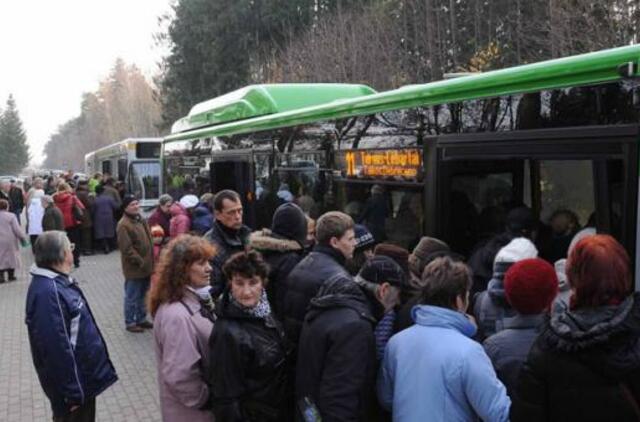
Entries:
{"x":183,"y":319}
{"x":585,"y":365}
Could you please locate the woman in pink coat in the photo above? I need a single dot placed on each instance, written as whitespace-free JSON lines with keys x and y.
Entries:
{"x":180,"y":217}
{"x":10,"y":236}
{"x":183,"y":320}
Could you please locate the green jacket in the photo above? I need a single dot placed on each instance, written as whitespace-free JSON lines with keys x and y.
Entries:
{"x":136,"y":247}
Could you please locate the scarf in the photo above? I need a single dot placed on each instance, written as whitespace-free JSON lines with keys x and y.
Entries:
{"x":261,"y":310}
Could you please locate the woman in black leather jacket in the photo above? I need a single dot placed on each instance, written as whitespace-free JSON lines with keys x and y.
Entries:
{"x":585,"y":364}
{"x":249,"y":351}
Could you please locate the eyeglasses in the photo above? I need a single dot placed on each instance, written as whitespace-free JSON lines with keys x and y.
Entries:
{"x":72,"y":247}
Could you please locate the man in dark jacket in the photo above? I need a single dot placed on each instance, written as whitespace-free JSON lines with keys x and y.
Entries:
{"x":520,"y":223}
{"x":68,"y":350}
{"x":336,"y":243}
{"x":17,"y":199}
{"x":282,"y":248}
{"x":136,"y":254}
{"x":228,"y":235}
{"x":53,"y":218}
{"x":337,"y":353}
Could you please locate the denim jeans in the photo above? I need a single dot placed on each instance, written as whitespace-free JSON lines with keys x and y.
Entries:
{"x":134,"y":293}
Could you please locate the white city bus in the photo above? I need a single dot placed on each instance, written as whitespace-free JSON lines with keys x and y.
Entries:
{"x":134,"y":161}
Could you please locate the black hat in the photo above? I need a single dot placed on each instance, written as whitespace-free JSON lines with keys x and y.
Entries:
{"x":290,"y":222}
{"x":364,"y":238}
{"x":521,"y":221}
{"x":380,"y":269}
{"x":127,"y":199}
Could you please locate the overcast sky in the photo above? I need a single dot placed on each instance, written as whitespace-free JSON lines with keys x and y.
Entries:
{"x":53,"y":51}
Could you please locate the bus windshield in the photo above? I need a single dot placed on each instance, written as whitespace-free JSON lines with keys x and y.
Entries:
{"x":144,"y":179}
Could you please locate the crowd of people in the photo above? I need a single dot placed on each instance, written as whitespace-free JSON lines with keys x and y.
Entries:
{"x":317,"y":320}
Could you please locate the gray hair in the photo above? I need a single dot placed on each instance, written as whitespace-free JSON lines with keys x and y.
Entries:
{"x":165,"y":199}
{"x":50,"y":248}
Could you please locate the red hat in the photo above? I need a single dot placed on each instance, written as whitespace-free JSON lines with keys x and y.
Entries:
{"x":531,"y":285}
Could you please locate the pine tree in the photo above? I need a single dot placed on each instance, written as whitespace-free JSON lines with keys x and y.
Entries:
{"x":14,"y":151}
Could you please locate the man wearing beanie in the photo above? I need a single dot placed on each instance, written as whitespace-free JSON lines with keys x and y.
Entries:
{"x":399,"y":254}
{"x":363,"y":251}
{"x":491,"y":308}
{"x":136,"y":253}
{"x":530,"y":287}
{"x":282,"y":248}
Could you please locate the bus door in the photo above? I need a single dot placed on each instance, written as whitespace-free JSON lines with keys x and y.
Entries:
{"x":571,"y":178}
{"x":235,"y":171}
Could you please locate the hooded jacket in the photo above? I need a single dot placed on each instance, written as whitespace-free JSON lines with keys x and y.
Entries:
{"x":68,"y":350}
{"x":202,"y":219}
{"x":248,"y":366}
{"x":65,"y":202}
{"x":434,"y":371}
{"x":337,"y":356}
{"x":282,"y":255}
{"x":180,"y":221}
{"x":303,"y":284}
{"x":584,"y":366}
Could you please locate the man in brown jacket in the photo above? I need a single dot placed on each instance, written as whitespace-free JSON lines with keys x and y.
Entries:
{"x":136,"y":252}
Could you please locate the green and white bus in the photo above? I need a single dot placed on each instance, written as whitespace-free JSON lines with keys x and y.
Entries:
{"x":134,"y":161}
{"x":450,"y":158}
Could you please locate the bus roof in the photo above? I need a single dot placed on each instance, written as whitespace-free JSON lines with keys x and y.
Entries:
{"x":124,"y":142}
{"x":585,"y":69}
{"x":259,"y":100}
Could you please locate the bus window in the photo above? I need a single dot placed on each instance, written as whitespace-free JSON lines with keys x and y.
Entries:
{"x":144,"y":179}
{"x":106,"y":167}
{"x":122,"y":169}
{"x":393,"y":213}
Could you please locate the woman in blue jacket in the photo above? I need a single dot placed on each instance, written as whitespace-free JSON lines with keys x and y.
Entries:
{"x":434,"y":370}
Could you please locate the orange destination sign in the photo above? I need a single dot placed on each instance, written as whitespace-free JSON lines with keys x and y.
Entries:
{"x":403,"y":163}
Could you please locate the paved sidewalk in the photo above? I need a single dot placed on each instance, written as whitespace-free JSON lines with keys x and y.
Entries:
{"x":133,"y":398}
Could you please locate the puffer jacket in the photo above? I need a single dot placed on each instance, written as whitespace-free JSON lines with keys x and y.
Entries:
{"x":248,"y":366}
{"x":282,"y":255}
{"x":68,"y":350}
{"x":584,"y":366}
{"x":303,"y":284}
{"x":336,"y":362}
{"x":180,"y":220}
{"x":202,"y":219}
{"x":65,"y":202}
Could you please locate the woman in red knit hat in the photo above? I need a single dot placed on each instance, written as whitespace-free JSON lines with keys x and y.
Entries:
{"x":585,"y":365}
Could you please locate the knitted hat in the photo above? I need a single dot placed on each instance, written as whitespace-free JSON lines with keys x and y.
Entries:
{"x":397,"y":253}
{"x":424,"y":252}
{"x":531,"y":286}
{"x":518,"y":249}
{"x":380,"y":269}
{"x":189,"y":201}
{"x":128,"y":198}
{"x":364,"y":238}
{"x":290,"y":222}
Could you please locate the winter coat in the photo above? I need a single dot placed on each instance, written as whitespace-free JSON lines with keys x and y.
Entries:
{"x":227,"y":242}
{"x":104,"y":219}
{"x":68,"y":350}
{"x":202,"y":219}
{"x":281,"y":255}
{"x":52,"y":219}
{"x":181,"y":338}
{"x":491,"y":308}
{"x":6,"y":197}
{"x":136,"y":247}
{"x":65,"y":201}
{"x":303,"y":284}
{"x":17,"y":198}
{"x":113,"y":193}
{"x":35,"y":212}
{"x":87,"y":202}
{"x":159,"y":218}
{"x":509,"y":348}
{"x":374,"y":215}
{"x":481,"y":261}
{"x":336,"y":363}
{"x":584,"y":366}
{"x":248,"y":366}
{"x":434,"y":371}
{"x":10,"y":236}
{"x":180,"y":221}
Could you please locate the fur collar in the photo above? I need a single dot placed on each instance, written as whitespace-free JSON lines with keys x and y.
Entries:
{"x":264,"y":240}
